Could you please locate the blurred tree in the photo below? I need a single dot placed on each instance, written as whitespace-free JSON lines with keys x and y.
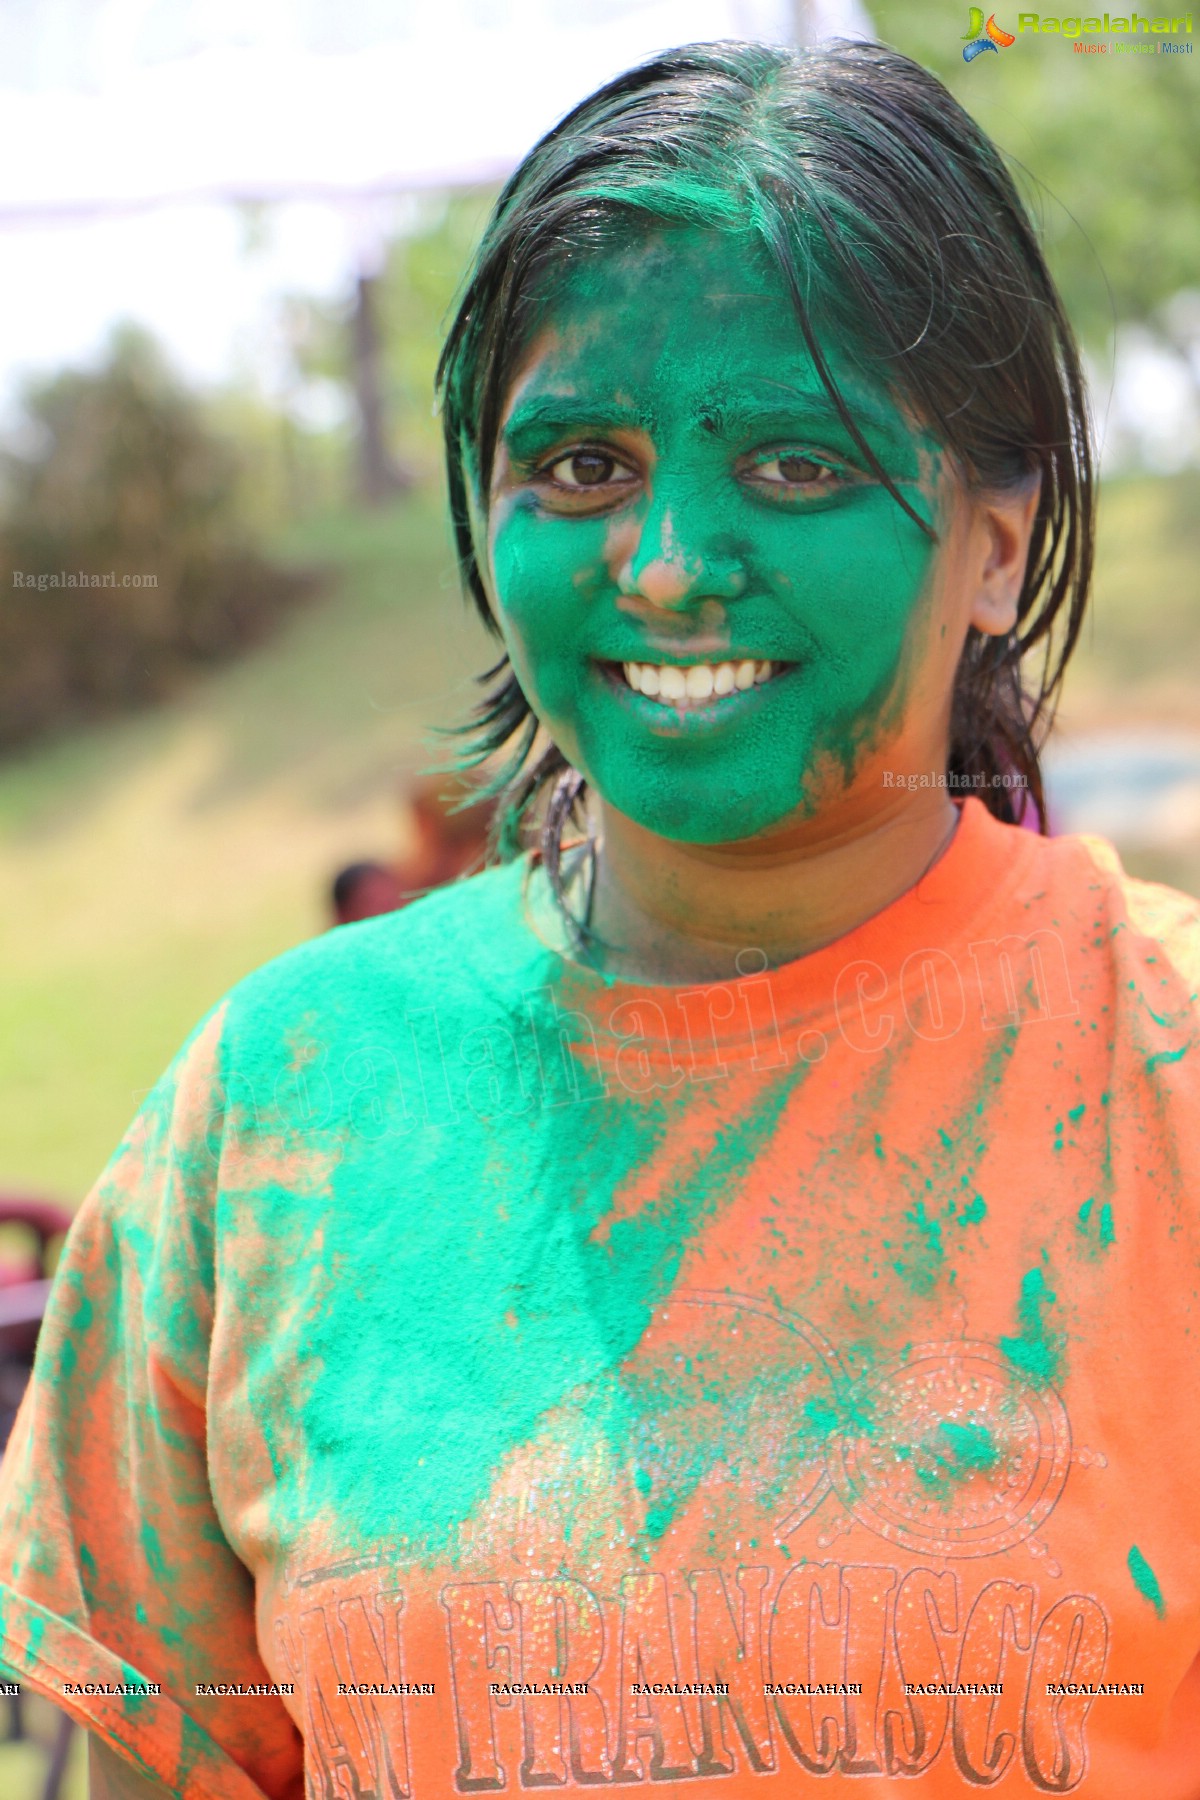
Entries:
{"x":420,"y":283}
{"x":1108,"y":155}
{"x":408,"y":306}
{"x":341,"y":343}
{"x":381,"y":475}
{"x":125,"y":506}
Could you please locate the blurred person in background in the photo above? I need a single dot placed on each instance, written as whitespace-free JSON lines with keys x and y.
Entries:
{"x":451,"y":833}
{"x":363,"y":890}
{"x":712,"y":1296}
{"x":449,"y":840}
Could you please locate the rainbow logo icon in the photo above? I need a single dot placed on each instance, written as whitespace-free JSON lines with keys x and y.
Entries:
{"x":984,"y":37}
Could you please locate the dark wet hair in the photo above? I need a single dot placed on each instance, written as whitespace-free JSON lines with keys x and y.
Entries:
{"x":891,"y":217}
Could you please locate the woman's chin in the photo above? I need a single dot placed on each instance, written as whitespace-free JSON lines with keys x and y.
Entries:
{"x":688,"y":818}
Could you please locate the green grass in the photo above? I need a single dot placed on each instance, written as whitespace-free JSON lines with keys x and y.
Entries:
{"x":147,"y":863}
{"x":1139,"y":655}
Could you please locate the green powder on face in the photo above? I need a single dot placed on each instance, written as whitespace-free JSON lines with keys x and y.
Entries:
{"x":1107,"y":1231}
{"x":975,"y":1213}
{"x":1036,"y":1351}
{"x":1145,"y":1580}
{"x":690,"y":328}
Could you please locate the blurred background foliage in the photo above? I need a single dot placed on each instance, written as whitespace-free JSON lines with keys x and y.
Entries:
{"x":1108,"y":156}
{"x":413,"y":294}
{"x":121,"y":477}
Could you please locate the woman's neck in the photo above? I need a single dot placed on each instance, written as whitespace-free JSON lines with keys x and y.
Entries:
{"x":666,"y":912}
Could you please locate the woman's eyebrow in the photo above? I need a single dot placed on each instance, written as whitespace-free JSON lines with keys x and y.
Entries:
{"x":543,"y":418}
{"x":803,"y":409}
{"x":549,"y":416}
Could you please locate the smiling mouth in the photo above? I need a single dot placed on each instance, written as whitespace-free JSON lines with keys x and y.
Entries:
{"x":683,"y":686}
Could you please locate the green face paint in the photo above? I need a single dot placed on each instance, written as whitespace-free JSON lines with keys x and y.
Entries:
{"x":674,"y":488}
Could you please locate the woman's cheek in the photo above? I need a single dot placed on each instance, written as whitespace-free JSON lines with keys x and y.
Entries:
{"x":547,"y":573}
{"x":854,"y":584}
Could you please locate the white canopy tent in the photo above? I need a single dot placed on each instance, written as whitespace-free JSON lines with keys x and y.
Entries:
{"x":451,"y":93}
{"x":127,"y":127}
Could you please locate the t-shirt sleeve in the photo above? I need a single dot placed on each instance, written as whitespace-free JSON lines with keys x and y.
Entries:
{"x":119,"y":1591}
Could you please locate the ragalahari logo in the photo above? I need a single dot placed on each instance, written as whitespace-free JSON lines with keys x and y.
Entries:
{"x":984,"y":37}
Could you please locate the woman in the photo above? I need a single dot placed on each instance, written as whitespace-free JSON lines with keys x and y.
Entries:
{"x":708,"y":1300}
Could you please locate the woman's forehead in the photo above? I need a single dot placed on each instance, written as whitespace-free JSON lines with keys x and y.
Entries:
{"x":663,"y":272}
{"x":685,"y":317}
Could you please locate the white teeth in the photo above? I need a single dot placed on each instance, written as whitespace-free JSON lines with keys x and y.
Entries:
{"x":696,"y":683}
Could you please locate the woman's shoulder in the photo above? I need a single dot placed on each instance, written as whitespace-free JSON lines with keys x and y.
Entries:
{"x":446,"y":949}
{"x":1085,"y":873}
{"x":1135,"y":940}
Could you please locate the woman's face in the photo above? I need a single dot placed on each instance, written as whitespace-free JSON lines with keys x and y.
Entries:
{"x":721,"y":617}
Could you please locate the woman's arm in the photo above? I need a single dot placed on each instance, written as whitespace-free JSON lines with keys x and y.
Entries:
{"x":113,"y":1562}
{"x":111,"y":1778}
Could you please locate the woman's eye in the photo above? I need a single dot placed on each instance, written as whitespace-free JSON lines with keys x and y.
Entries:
{"x":796,"y":471}
{"x":586,"y":469}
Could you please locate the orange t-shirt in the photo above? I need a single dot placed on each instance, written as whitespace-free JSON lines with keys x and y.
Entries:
{"x":473,"y":1375}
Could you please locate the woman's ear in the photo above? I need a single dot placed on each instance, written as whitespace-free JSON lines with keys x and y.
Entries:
{"x":1003,"y":526}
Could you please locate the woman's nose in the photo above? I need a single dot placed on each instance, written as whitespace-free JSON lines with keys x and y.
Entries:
{"x":661,"y":568}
